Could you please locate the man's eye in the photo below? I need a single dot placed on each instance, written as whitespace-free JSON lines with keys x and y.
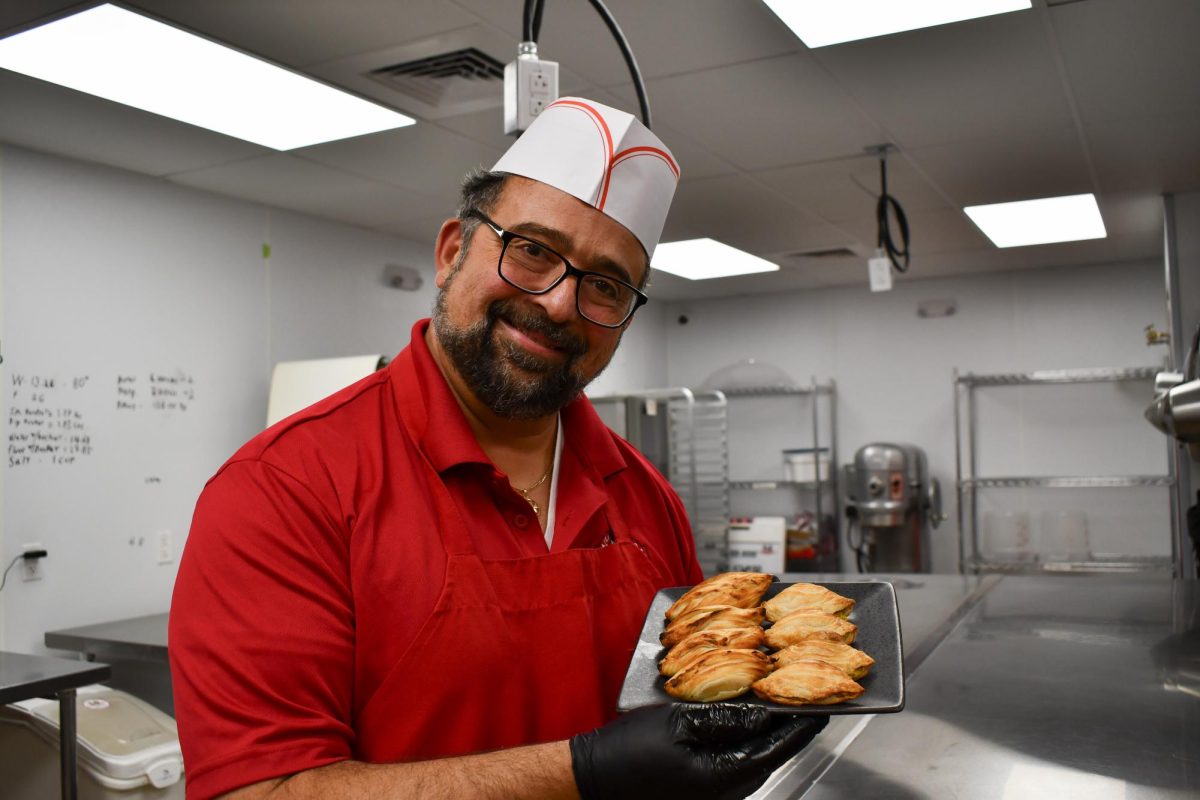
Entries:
{"x":604,"y":287}
{"x":533,"y":250}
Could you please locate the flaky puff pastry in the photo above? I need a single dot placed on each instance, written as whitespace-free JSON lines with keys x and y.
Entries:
{"x":703,"y":641}
{"x":803,"y":683}
{"x":710,"y":618}
{"x":855,"y":663}
{"x":718,"y":675}
{"x":803,"y":625}
{"x":740,"y":589}
{"x":807,"y":597}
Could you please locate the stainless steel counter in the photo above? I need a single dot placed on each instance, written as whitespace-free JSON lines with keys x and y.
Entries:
{"x":1056,"y":687}
{"x":137,"y":650}
{"x":1018,"y":687}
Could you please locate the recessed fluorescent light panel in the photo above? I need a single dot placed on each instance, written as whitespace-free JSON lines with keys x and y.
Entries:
{"x":701,"y":259}
{"x":131,"y":59}
{"x":1051,"y":219}
{"x":824,"y":22}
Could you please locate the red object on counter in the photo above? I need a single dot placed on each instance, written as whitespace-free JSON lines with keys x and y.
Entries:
{"x":361,"y":582}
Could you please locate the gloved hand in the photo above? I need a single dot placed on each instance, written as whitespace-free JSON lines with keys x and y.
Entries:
{"x":694,"y":751}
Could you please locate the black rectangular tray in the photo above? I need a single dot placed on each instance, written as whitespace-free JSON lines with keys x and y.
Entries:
{"x":875,"y":613}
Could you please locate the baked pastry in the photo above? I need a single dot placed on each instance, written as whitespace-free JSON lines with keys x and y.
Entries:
{"x":710,"y":618}
{"x":804,"y":683}
{"x":852,"y":661}
{"x":703,"y":641}
{"x":741,"y":589}
{"x":807,"y":597}
{"x":802,"y":625}
{"x":718,"y":675}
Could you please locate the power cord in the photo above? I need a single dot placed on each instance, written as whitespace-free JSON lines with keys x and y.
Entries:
{"x":28,"y":555}
{"x":897,"y":255}
{"x":11,"y":564}
{"x":532,"y":28}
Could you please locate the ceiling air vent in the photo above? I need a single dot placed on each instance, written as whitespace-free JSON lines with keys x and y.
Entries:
{"x":433,"y":78}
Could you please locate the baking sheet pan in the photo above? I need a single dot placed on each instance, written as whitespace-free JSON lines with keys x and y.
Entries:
{"x":875,"y":613}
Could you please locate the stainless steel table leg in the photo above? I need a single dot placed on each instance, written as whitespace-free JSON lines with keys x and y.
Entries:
{"x":66,"y":750}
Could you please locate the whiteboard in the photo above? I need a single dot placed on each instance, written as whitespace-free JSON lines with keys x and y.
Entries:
{"x":141,"y":321}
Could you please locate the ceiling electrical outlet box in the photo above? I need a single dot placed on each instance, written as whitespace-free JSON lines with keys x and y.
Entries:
{"x":880,"y":270}
{"x":166,"y":547}
{"x":530,"y":84}
{"x":31,"y":568}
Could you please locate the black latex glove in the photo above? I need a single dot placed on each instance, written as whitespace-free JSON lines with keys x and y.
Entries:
{"x":698,"y":752}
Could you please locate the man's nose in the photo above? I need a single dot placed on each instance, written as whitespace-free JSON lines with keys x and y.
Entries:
{"x":559,"y":302}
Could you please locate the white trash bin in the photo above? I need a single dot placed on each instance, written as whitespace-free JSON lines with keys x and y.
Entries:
{"x":127,"y":749}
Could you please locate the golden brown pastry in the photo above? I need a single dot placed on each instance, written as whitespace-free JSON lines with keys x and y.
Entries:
{"x":855,"y":663}
{"x":710,"y":618}
{"x":804,"y":683}
{"x":807,"y":597}
{"x":741,"y":589}
{"x":703,"y":641}
{"x":802,"y":625}
{"x":718,"y":675}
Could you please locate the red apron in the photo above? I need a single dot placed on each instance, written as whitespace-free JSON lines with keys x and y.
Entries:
{"x":516,"y":651}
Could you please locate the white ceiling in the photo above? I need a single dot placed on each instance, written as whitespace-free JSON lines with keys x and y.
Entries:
{"x":1072,"y":96}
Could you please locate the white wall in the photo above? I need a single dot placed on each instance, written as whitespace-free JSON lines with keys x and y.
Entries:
{"x":107,"y":272}
{"x":893,"y":372}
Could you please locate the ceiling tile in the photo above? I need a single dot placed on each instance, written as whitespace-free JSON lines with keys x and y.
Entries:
{"x":766,"y":113}
{"x":304,"y":32}
{"x":1130,"y":60}
{"x":988,"y":77}
{"x":740,"y":212}
{"x":1153,"y":154}
{"x":423,"y":230}
{"x":668,"y":37}
{"x":53,"y":119}
{"x":1033,"y":164}
{"x":421,"y":157}
{"x":290,"y":182}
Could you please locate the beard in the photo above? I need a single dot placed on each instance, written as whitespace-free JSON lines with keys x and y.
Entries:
{"x":512,"y":382}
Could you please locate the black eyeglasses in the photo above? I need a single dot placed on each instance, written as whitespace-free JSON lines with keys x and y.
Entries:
{"x":535,"y":268}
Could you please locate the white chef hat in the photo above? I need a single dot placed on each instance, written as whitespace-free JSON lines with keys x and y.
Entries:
{"x":605,"y":157}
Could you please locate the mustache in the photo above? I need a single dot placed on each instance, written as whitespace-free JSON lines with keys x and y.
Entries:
{"x":525,"y":319}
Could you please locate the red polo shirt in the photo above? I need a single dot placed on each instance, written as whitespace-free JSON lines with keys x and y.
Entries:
{"x":314,"y":559}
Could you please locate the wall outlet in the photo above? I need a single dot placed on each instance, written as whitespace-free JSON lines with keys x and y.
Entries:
{"x":166,"y":547}
{"x":530,"y":84}
{"x":31,"y":568}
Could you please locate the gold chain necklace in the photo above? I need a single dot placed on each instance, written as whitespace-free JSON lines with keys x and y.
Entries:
{"x":525,"y":492}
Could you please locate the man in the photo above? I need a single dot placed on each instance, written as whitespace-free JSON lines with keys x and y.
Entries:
{"x":430,"y":584}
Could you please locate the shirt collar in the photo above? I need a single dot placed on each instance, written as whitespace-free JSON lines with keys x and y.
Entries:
{"x":434,"y":418}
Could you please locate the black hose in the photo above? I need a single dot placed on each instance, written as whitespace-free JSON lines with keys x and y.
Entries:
{"x":886,"y":203}
{"x":630,"y":61}
{"x":537,"y":20}
{"x":527,"y":21}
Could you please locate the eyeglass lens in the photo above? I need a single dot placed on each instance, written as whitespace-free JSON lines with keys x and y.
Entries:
{"x":534,"y":268}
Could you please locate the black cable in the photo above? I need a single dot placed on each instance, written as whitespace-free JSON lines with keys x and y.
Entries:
{"x":527,"y":21}
{"x":630,"y":61}
{"x":886,"y":203}
{"x":537,"y":20}
{"x":12,"y":564}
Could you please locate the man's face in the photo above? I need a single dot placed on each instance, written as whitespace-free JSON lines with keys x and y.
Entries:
{"x":526,"y":356}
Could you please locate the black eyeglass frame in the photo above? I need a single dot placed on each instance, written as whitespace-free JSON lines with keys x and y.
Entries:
{"x":507,"y":236}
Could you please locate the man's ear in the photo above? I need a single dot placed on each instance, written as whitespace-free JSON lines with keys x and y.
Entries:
{"x":448,"y":248}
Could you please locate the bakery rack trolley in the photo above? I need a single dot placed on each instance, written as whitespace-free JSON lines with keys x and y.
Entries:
{"x":824,"y":491}
{"x":968,"y":480}
{"x":685,"y":434}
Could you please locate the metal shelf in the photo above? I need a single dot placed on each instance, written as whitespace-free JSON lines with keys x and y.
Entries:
{"x":769,"y":391}
{"x":1121,"y":564}
{"x":768,"y":486}
{"x":1059,"y":376}
{"x":972,"y":558}
{"x":1068,"y":482}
